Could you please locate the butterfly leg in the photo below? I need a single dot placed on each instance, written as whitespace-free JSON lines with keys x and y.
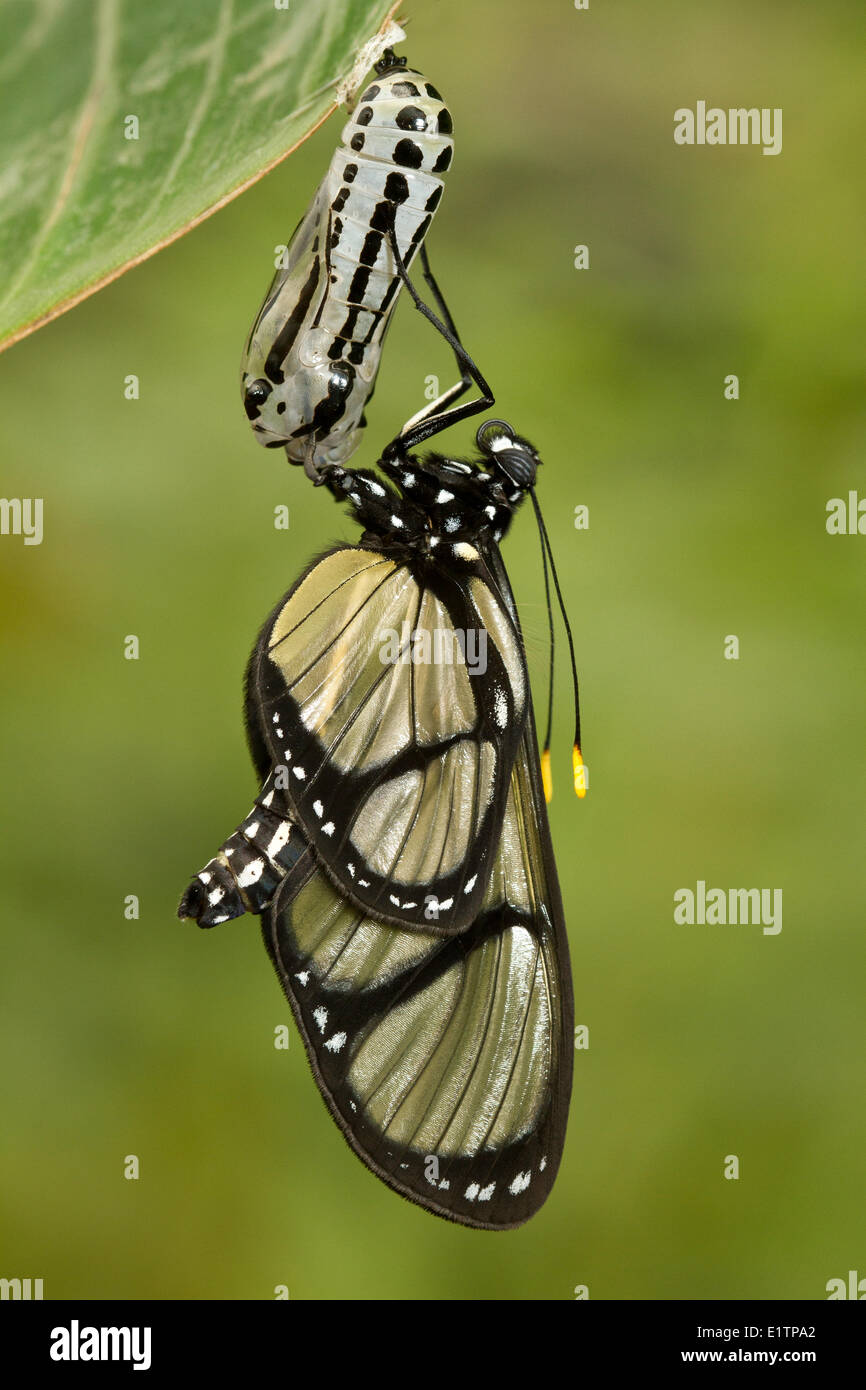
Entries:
{"x":248,"y":868}
{"x":437,"y":415}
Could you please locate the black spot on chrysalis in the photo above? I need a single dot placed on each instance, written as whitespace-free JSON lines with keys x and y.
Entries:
{"x":407,"y":153}
{"x":382,"y":217}
{"x":411,"y":118}
{"x":396,"y":188}
{"x":255,"y":396}
{"x":370,"y":249}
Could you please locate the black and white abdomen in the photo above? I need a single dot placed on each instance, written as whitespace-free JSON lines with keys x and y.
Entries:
{"x":310,"y":363}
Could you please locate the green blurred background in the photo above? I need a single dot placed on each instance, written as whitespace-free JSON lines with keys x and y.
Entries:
{"x":707,"y":518}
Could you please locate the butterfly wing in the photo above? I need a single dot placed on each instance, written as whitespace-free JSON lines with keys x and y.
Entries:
{"x":446,"y":1062}
{"x":396,"y":768}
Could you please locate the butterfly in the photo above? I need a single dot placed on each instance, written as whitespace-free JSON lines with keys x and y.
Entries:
{"x":399,"y":851}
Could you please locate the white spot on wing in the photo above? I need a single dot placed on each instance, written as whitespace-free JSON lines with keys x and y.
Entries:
{"x":321,"y":1016}
{"x":335,"y":1043}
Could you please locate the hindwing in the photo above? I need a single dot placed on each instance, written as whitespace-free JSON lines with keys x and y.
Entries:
{"x":396,"y":741}
{"x":446,"y":1062}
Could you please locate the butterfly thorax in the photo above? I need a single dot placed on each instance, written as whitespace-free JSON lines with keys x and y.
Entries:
{"x":438,"y":507}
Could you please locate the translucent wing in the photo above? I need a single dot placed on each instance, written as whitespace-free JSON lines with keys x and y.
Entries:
{"x":396,"y":743}
{"x":446,"y":1062}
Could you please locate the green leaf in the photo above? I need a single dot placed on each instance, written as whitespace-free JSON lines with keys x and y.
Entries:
{"x":126,"y":122}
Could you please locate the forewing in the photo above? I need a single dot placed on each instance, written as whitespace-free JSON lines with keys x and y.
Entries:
{"x":446,"y":1062}
{"x":397,"y":743}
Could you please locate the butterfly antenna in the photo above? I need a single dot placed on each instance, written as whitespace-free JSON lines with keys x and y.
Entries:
{"x":546,"y":777}
{"x":576,"y":754}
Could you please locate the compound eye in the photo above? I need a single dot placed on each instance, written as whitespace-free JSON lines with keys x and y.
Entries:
{"x":255,"y":396}
{"x":517,"y":464}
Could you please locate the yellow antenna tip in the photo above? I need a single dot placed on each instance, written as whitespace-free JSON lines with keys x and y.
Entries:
{"x":580,"y":772}
{"x":546,"y":778}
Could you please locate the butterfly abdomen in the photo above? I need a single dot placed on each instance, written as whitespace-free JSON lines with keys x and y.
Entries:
{"x":248,"y":868}
{"x":311,"y":360}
